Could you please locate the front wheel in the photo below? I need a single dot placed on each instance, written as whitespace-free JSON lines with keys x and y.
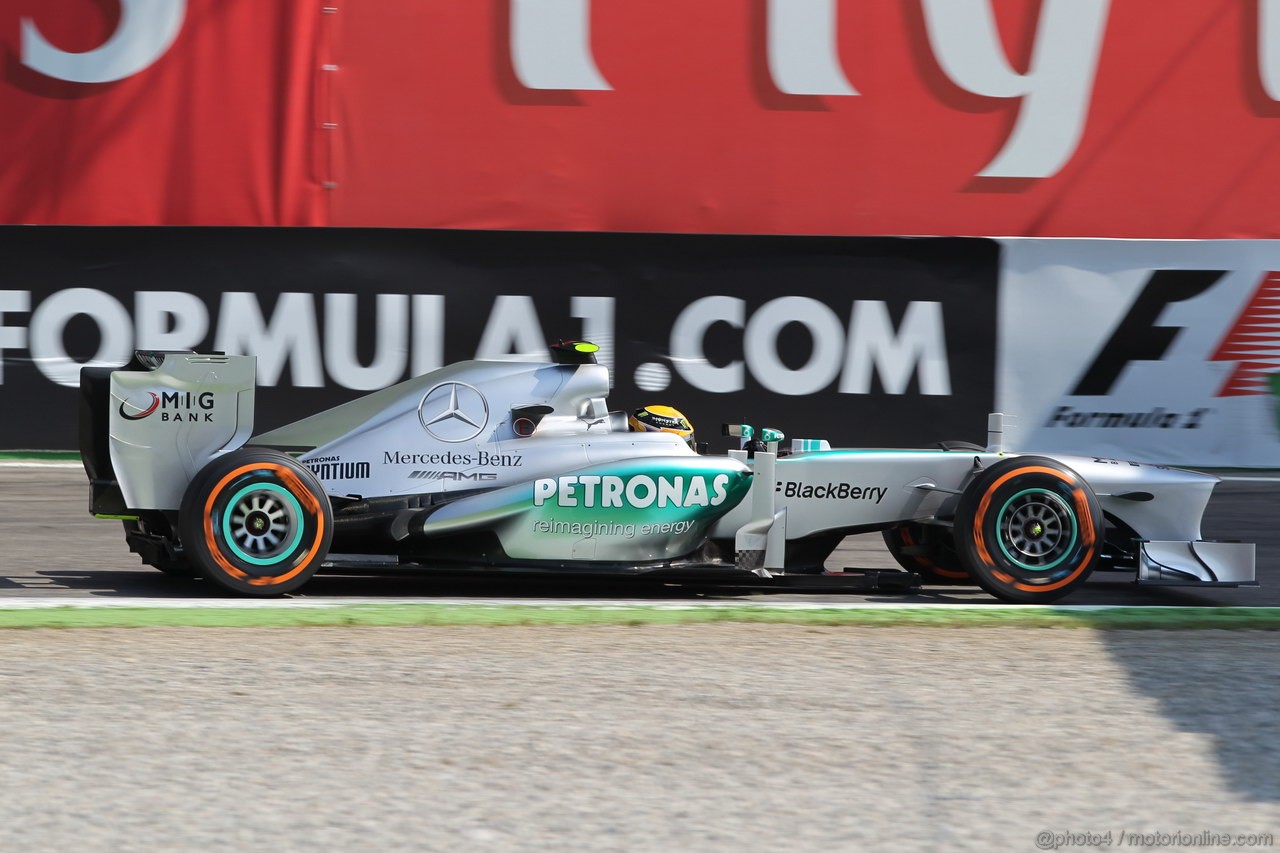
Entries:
{"x":927,"y":550}
{"x":1029,"y":530}
{"x":256,"y":522}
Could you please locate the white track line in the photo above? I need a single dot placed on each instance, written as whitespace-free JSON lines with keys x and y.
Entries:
{"x":31,"y":603}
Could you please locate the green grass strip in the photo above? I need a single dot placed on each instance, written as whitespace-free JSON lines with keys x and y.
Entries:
{"x":1260,"y":618}
{"x":39,"y":456}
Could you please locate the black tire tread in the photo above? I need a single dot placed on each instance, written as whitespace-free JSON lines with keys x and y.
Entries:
{"x":1001,"y":578}
{"x":191,"y":520}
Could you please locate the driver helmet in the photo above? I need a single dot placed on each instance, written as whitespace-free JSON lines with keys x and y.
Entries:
{"x":661,"y":419}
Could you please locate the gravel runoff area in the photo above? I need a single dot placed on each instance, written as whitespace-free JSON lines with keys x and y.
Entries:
{"x":695,"y":737}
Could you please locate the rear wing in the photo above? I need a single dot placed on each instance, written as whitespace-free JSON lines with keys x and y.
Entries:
{"x":148,"y":427}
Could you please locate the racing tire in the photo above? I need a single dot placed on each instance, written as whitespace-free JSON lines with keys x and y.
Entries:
{"x":929,"y":551}
{"x":1029,"y":530}
{"x":256,"y":522}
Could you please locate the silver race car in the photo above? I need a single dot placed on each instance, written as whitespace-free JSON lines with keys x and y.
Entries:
{"x":523,"y":467}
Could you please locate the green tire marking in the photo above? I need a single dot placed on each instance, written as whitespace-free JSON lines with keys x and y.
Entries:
{"x":230,"y":540}
{"x":1000,"y":527}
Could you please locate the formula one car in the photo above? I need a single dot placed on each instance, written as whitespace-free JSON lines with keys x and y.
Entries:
{"x":522,"y":466}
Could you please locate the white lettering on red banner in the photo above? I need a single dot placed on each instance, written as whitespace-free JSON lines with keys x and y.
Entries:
{"x":146,"y":30}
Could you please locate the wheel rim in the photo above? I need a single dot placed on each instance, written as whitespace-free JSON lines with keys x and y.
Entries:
{"x":1037,"y":530}
{"x":263,"y":524}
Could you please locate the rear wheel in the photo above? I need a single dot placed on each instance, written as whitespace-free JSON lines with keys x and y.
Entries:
{"x":256,"y":522}
{"x":1029,"y":529}
{"x":927,"y":550}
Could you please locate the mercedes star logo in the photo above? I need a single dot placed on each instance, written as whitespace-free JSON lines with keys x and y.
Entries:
{"x":453,"y":411}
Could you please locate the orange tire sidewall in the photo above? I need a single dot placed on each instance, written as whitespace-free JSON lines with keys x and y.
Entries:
{"x":1070,"y":489}
{"x":906,"y":536}
{"x":287,"y":478}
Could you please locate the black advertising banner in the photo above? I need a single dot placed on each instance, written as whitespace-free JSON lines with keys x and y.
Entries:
{"x":863,"y":341}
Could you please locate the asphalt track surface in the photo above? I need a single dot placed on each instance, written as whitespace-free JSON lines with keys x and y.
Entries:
{"x":51,"y":547}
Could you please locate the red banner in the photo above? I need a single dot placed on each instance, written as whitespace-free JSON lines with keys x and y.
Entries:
{"x":1148,"y":118}
{"x":160,"y":112}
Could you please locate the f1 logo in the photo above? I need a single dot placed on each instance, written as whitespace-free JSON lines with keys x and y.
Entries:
{"x":1138,"y":338}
